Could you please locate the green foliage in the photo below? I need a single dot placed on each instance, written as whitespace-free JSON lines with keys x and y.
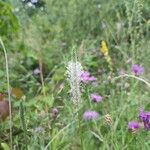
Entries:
{"x":8,"y":21}
{"x":5,"y":146}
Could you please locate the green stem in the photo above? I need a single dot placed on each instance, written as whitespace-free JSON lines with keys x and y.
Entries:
{"x":8,"y":89}
{"x":80,"y":131}
{"x":133,"y":76}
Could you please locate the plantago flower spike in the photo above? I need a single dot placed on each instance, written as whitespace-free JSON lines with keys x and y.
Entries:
{"x":74,"y":70}
{"x":108,"y":119}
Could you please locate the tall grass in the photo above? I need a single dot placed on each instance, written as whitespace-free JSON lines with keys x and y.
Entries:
{"x":8,"y":90}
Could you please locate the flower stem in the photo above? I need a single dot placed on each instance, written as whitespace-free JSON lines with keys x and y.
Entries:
{"x":80,"y":131}
{"x":8,"y":89}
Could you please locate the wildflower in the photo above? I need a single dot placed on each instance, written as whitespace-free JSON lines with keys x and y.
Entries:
{"x":137,"y":70}
{"x":92,"y":78}
{"x":104,"y":48}
{"x":145,"y":118}
{"x":142,"y":115}
{"x":108,"y":119}
{"x":95,"y":97}
{"x":133,"y":125}
{"x":86,"y":78}
{"x":90,"y":115}
{"x":74,"y":70}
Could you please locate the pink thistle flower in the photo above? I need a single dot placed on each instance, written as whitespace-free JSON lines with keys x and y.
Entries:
{"x":95,"y":97}
{"x":133,"y":125}
{"x":90,"y":115}
{"x":85,"y":74}
{"x":137,"y":70}
{"x":145,"y":118}
{"x":92,"y":78}
{"x":86,"y":78}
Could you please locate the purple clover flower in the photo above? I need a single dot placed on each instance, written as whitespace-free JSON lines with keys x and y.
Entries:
{"x":137,"y":70}
{"x":90,"y":115}
{"x":95,"y":97}
{"x":133,"y":125}
{"x":145,"y":118}
{"x":86,"y":78}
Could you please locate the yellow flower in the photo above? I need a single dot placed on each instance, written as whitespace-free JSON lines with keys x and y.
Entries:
{"x":104,"y":48}
{"x":108,"y":59}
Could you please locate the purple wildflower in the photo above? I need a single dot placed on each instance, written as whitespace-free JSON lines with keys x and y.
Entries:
{"x":92,"y":78}
{"x":85,"y":77}
{"x":95,"y":97}
{"x":90,"y":115}
{"x":133,"y":125}
{"x":142,"y":116}
{"x":145,"y":118}
{"x":85,"y":74}
{"x":137,"y":70}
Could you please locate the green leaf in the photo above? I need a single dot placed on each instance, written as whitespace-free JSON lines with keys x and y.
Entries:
{"x":5,"y":146}
{"x":8,"y":21}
